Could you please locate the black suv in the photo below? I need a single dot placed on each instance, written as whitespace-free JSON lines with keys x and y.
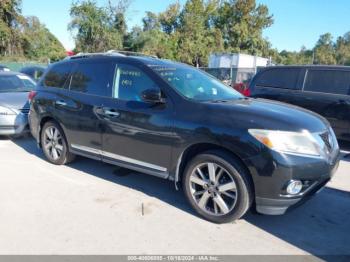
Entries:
{"x":322,"y":89}
{"x":176,"y":122}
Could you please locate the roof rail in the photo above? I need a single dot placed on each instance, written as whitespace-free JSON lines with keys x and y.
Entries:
{"x":129,"y":53}
{"x":109,"y":53}
{"x":82,"y":55}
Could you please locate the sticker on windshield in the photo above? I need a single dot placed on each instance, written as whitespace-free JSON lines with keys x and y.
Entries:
{"x":23,"y":77}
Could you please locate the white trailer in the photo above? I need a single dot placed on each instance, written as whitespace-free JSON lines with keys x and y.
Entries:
{"x":226,"y":60}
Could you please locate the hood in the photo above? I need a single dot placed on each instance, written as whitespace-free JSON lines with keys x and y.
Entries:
{"x":14,"y":100}
{"x":268,"y":114}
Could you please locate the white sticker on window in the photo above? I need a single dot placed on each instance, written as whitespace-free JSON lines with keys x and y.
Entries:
{"x":23,"y":77}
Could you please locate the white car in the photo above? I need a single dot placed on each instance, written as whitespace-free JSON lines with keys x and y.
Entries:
{"x":14,"y":106}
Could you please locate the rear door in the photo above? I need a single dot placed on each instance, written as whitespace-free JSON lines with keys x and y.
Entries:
{"x":326,"y":91}
{"x":282,"y":84}
{"x":90,"y":83}
{"x":136,"y":134}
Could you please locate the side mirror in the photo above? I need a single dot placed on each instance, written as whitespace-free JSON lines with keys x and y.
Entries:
{"x":152,"y":96}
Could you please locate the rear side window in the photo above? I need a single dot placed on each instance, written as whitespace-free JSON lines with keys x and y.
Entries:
{"x":130,"y":82}
{"x":328,"y":81}
{"x":58,"y":75}
{"x":94,"y":78}
{"x":286,"y":78}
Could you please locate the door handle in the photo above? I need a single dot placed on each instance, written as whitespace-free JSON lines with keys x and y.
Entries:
{"x":111,"y":113}
{"x":61,"y":103}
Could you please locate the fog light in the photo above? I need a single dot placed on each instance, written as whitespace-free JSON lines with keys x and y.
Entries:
{"x":294,"y":187}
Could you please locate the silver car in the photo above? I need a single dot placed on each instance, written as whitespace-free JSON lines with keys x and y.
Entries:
{"x":14,"y":105}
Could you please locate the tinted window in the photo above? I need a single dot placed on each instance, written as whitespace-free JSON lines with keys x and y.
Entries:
{"x":281,"y":78}
{"x":57,"y":75}
{"x":130,"y":82}
{"x":16,"y":83}
{"x":328,"y":81}
{"x":94,"y":78}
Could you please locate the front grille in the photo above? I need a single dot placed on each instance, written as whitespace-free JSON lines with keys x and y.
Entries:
{"x":327,"y":139}
{"x":24,"y":111}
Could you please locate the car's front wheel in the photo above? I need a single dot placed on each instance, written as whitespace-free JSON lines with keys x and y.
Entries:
{"x":217,"y":186}
{"x":55,"y":145}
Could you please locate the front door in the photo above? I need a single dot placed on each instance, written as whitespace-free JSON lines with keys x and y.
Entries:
{"x":137,"y":134}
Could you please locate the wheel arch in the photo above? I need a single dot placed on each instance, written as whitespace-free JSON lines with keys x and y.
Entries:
{"x":195,"y":149}
{"x":43,"y":121}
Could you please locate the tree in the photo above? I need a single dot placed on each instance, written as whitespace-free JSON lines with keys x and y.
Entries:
{"x":342,"y":50}
{"x":39,"y":43}
{"x":95,"y":31}
{"x":241,"y":23}
{"x":169,"y":19}
{"x":151,"y":22}
{"x":10,"y":19}
{"x":324,"y":50}
{"x":197,"y":38}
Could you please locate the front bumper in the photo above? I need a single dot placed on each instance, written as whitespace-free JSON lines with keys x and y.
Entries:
{"x":13,"y":124}
{"x":272,"y":171}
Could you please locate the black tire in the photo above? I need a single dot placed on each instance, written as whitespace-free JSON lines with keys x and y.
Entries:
{"x":243,"y":192}
{"x":65,"y":156}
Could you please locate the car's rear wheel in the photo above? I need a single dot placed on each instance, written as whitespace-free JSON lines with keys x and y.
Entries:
{"x":55,"y":145}
{"x":217,"y":187}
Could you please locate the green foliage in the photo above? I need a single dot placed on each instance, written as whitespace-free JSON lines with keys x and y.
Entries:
{"x":25,"y":37}
{"x":198,"y":39}
{"x":95,"y":30}
{"x":39,"y":43}
{"x":187,"y":33}
{"x":98,"y":28}
{"x":326,"y":51}
{"x":241,"y":23}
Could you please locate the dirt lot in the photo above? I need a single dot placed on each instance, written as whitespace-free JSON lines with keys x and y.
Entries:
{"x":92,"y":208}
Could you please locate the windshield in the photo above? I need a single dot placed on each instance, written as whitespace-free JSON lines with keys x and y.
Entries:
{"x":196,"y":84}
{"x":16,"y":83}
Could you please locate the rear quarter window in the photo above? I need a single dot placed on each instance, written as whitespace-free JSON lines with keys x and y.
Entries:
{"x":93,"y":78}
{"x":328,"y":81}
{"x":57,"y":76}
{"x":286,"y":78}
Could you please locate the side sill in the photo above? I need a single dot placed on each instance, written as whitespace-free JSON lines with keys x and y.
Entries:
{"x":160,"y":174}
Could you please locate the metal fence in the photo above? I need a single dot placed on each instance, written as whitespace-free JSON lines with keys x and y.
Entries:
{"x":16,"y":66}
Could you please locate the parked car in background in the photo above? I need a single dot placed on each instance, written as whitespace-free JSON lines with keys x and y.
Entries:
{"x":176,"y":122}
{"x":4,"y":68}
{"x":35,"y":72}
{"x":322,"y":89}
{"x":14,"y":106}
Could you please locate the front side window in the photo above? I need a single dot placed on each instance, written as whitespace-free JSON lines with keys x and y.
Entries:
{"x":94,"y":78}
{"x":328,"y":81}
{"x":57,"y":75}
{"x":16,"y":83}
{"x":130,"y":82}
{"x":286,"y":78}
{"x":195,"y":84}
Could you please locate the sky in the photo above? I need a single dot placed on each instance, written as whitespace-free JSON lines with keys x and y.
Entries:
{"x":297,"y":23}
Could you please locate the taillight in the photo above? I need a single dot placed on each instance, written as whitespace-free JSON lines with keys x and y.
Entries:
{"x":31,"y":95}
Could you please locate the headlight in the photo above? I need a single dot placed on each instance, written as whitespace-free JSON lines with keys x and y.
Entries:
{"x":297,"y":143}
{"x":6,"y":111}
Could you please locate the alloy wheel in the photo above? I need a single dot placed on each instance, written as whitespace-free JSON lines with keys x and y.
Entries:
{"x":213,"y":189}
{"x":53,"y":143}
